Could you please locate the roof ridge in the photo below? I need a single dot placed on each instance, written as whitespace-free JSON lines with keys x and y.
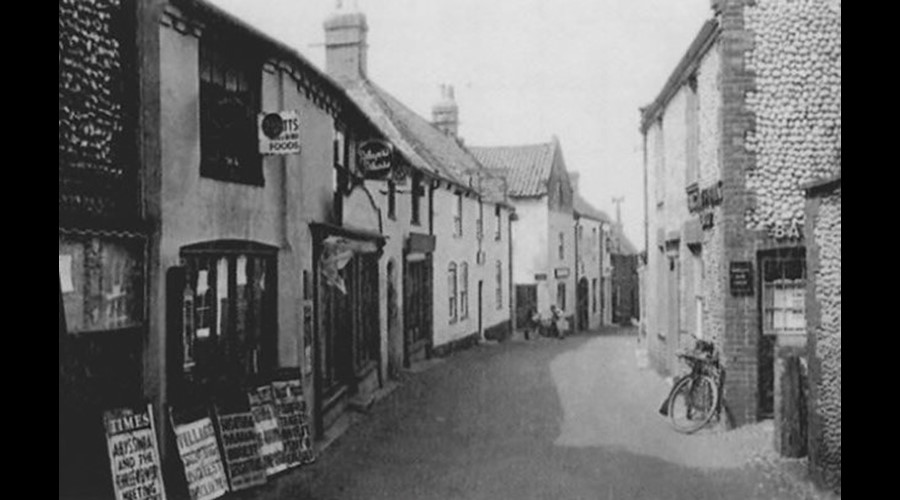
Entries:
{"x":518,"y":146}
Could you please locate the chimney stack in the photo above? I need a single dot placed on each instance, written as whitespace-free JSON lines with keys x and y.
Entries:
{"x":345,"y":44}
{"x":445,"y":114}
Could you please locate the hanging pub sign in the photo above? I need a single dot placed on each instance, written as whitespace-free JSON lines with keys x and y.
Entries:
{"x":134,"y":454}
{"x":279,"y":133}
{"x":376,"y":158}
{"x":740,"y":278}
{"x":199,"y":452}
{"x":242,"y":446}
{"x":265,"y":419}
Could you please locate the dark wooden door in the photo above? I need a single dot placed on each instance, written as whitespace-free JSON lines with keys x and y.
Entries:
{"x":526,"y":302}
{"x":417,"y":301}
{"x":583,"y":303}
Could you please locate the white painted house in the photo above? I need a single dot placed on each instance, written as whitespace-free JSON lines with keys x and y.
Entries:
{"x":446,"y":263}
{"x":544,"y":236}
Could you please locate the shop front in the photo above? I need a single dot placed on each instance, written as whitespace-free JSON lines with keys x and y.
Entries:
{"x":347,"y":344}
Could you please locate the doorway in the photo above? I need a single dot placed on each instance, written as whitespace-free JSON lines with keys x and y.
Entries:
{"x":583,"y":303}
{"x":783,"y":313}
{"x":417,"y":300}
{"x":480,"y":309}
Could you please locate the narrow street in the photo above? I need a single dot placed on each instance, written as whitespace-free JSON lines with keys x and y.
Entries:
{"x":545,"y":419}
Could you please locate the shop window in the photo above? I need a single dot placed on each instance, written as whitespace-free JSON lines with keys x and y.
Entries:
{"x":784,"y":293}
{"x":229,"y":104}
{"x":101,"y":280}
{"x":452,"y":289}
{"x":228,"y":311}
{"x":561,"y":295}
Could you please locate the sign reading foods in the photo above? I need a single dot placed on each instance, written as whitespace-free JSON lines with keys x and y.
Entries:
{"x":375,"y":159}
{"x":279,"y":133}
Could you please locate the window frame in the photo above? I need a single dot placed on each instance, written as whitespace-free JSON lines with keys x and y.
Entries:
{"x":234,"y":141}
{"x":561,"y":295}
{"x":458,"y":216}
{"x":452,"y":290}
{"x":499,"y":279}
{"x":464,"y":291}
{"x":561,"y":249}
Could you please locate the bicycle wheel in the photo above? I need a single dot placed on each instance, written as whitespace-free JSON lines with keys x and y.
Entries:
{"x":693,"y":403}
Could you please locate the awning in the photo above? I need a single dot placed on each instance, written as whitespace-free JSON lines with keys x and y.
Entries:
{"x":338,"y":246}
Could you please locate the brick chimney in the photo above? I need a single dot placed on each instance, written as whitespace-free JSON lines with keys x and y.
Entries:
{"x":445,"y":114}
{"x":345,"y":44}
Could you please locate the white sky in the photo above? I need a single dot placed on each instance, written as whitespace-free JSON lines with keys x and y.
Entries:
{"x":524,"y":70}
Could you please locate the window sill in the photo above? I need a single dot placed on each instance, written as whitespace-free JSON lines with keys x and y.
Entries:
{"x":246,"y":181}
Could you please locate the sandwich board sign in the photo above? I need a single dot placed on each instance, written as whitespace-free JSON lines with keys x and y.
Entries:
{"x":134,"y":454}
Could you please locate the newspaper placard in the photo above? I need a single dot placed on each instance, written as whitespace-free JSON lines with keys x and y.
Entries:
{"x":262,"y":405}
{"x":291,"y":409}
{"x":134,"y":454}
{"x":200,"y":457}
{"x":242,"y":446}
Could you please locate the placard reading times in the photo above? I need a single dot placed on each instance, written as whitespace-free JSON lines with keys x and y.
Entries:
{"x":134,"y":454}
{"x":242,"y":445}
{"x":199,"y":452}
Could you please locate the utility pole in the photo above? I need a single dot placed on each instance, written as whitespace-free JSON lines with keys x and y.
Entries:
{"x":617,"y":201}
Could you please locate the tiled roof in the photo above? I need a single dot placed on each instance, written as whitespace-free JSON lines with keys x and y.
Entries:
{"x":527,"y":168}
{"x":585,"y":209}
{"x":425,"y":147}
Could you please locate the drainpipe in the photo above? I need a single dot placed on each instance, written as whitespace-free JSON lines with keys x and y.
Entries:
{"x":577,"y":279}
{"x":512,"y":296}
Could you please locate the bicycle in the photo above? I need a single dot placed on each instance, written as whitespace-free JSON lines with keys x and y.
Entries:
{"x":696,"y":397}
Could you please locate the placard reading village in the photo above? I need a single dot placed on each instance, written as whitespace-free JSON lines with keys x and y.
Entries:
{"x":199,"y":452}
{"x":134,"y":454}
{"x":242,"y":445}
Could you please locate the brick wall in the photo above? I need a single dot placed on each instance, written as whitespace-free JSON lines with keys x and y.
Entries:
{"x":740,"y":349}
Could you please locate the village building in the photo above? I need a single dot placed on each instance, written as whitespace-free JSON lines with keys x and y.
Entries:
{"x":103,"y":234}
{"x":624,"y":264}
{"x":750,"y":114}
{"x":447,"y":257}
{"x":593,"y":265}
{"x":544,"y":236}
{"x":198,"y":254}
